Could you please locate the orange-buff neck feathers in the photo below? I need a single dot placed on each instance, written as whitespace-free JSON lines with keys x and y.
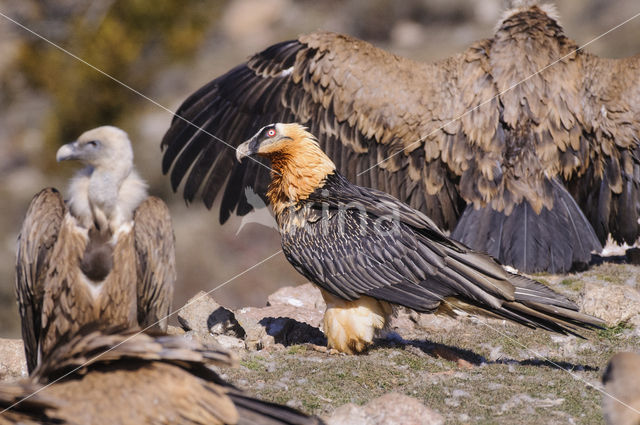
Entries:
{"x":298,"y":166}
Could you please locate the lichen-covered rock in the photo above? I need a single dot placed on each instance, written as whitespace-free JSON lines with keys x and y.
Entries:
{"x":203,"y":314}
{"x":612,"y":303}
{"x":280,"y":324}
{"x":256,"y":337}
{"x":194,"y":314}
{"x":13,"y":364}
{"x":406,"y":320}
{"x":175,"y":330}
{"x":389,"y":409}
{"x":230,"y":342}
{"x":307,"y":296}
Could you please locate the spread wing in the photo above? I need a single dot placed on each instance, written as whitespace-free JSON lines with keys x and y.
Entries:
{"x":377,"y":248}
{"x":155,"y":262}
{"x":493,"y":127}
{"x":37,"y":237}
{"x":362,"y":103}
{"x":607,"y":186}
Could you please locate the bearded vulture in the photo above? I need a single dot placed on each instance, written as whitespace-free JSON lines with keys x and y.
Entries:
{"x":522,"y":146}
{"x":367,"y":251}
{"x":124,"y":377}
{"x":106,"y":255}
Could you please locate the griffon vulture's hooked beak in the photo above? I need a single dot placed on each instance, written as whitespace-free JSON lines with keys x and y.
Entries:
{"x":67,"y":152}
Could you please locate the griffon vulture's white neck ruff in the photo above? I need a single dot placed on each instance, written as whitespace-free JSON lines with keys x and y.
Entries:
{"x":107,"y":190}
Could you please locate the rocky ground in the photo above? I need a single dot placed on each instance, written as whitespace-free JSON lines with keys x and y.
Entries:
{"x":425,"y":369}
{"x":207,"y":254}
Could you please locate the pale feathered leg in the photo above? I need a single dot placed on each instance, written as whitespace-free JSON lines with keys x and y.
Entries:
{"x":350,"y":326}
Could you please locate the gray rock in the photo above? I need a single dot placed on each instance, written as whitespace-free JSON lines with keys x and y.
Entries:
{"x":174,"y":330}
{"x":348,"y":414}
{"x":230,"y":342}
{"x":612,"y":303}
{"x":311,"y":317}
{"x":13,"y":364}
{"x":256,"y":337}
{"x":223,"y":322}
{"x":389,"y":409}
{"x":211,"y":342}
{"x":280,"y":324}
{"x":633,"y":255}
{"x":203,"y":315}
{"x":406,"y":320}
{"x":307,"y":296}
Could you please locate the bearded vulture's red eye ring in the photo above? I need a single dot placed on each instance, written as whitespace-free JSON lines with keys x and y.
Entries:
{"x":271,"y":132}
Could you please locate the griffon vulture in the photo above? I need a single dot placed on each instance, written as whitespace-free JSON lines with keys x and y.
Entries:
{"x":368,"y":251}
{"x":132,"y":378}
{"x":106,"y":255}
{"x":621,"y":398}
{"x":522,"y":146}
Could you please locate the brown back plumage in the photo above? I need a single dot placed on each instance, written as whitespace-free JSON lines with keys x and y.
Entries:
{"x":128,"y":378}
{"x":455,"y":133}
{"x":69,"y":276}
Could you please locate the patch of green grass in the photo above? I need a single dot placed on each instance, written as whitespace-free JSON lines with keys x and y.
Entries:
{"x":297,"y":349}
{"x":414,"y":362}
{"x":573,"y":284}
{"x":614,"y":332}
{"x":524,"y":389}
{"x":311,"y":404}
{"x":252,"y":364}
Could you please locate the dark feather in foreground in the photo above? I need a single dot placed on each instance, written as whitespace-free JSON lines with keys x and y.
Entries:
{"x":369,"y":243}
{"x":134,"y":378}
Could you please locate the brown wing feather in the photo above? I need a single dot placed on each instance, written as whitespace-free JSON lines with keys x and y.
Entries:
{"x":494,"y":127}
{"x":37,"y":237}
{"x":155,"y":262}
{"x":113,"y":376}
{"x":607,"y":184}
{"x":37,"y":409}
{"x":343,"y":98}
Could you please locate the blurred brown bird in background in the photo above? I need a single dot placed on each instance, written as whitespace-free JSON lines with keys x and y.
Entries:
{"x":114,"y":377}
{"x":621,"y":381}
{"x":522,"y":146}
{"x":106,"y":255}
{"x":368,"y":251}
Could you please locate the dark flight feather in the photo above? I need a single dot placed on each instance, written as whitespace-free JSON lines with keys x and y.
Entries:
{"x":356,"y":241}
{"x":576,"y":124}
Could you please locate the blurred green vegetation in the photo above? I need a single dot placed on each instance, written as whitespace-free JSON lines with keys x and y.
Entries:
{"x":130,"y":40}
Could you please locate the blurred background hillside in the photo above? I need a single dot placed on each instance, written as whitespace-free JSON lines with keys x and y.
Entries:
{"x":166,"y":49}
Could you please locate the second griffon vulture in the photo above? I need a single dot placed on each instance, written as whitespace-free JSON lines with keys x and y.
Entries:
{"x":104,"y":256}
{"x":522,"y":146}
